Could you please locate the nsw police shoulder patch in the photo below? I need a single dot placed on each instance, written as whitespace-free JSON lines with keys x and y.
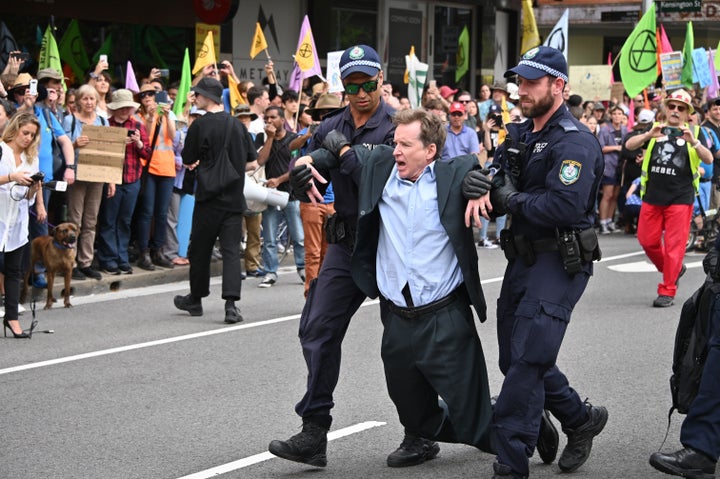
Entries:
{"x":570,"y":171}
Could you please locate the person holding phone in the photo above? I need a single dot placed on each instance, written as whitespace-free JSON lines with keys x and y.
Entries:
{"x":159,"y":176}
{"x":18,"y":163}
{"x":669,"y":182}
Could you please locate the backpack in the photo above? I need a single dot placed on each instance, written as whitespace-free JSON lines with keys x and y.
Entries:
{"x":691,"y":349}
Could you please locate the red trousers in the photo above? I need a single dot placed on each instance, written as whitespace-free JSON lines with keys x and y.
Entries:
{"x":667,"y":250}
{"x":313,"y":219}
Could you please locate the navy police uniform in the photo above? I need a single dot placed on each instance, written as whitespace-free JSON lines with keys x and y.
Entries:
{"x":333,"y":297}
{"x":557,"y":174}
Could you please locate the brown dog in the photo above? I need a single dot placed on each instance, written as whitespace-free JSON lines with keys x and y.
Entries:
{"x":57,"y":254}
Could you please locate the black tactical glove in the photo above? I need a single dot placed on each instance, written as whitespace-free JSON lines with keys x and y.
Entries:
{"x":300,"y":182}
{"x":334,"y":141}
{"x":500,"y":196}
{"x":476,"y":184}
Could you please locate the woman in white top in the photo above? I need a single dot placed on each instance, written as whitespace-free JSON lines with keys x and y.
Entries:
{"x":19,"y":161}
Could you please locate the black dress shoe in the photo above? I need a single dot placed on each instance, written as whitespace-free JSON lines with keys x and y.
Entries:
{"x":413,"y":451}
{"x":190,"y":304}
{"x":159,"y":259}
{"x":685,"y":462}
{"x":548,"y":439}
{"x":232,"y":316}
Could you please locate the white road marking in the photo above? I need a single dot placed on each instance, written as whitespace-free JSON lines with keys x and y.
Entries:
{"x":645,"y":267}
{"x":265,"y":456}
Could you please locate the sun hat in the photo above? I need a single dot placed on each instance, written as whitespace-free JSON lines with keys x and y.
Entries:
{"x":122,"y":98}
{"x":210,"y":88}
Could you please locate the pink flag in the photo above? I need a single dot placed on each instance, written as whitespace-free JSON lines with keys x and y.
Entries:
{"x":631,"y":114}
{"x":714,"y":86}
{"x":130,"y":80}
{"x":296,"y":78}
{"x":306,"y":46}
{"x":612,"y":76}
{"x":664,"y":46}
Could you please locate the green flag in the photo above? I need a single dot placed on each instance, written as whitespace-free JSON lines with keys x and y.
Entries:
{"x":184,"y":88}
{"x":638,"y":56}
{"x":687,"y":70}
{"x":72,"y":50}
{"x":462,"y":59}
{"x":717,"y":58}
{"x":49,"y":56}
{"x":105,"y":49}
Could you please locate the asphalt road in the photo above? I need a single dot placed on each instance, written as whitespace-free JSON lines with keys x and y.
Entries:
{"x":128,"y":387}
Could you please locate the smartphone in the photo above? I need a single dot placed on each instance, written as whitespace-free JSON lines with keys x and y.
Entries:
{"x":131,"y":132}
{"x":433,"y":83}
{"x":22,"y":56}
{"x":164,"y":72}
{"x":672,"y":132}
{"x":161,"y":98}
{"x":39,"y":176}
{"x":103,"y":58}
{"x":33,"y":87}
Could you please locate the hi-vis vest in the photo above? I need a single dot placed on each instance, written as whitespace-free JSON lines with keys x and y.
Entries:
{"x":692,"y":154}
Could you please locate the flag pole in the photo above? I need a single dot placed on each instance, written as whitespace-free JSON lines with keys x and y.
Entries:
{"x":297,"y":113}
{"x":269,"y":60}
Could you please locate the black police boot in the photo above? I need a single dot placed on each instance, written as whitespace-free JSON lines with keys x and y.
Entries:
{"x":413,"y":451}
{"x":548,"y":439}
{"x":189,"y":303}
{"x":309,"y":446}
{"x":685,"y":462}
{"x":502,"y":471}
{"x":580,"y":439}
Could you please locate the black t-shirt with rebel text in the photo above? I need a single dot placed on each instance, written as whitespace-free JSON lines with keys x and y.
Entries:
{"x":670,"y":180}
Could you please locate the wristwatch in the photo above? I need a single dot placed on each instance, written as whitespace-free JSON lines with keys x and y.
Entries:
{"x":71,"y":167}
{"x":94,"y":75}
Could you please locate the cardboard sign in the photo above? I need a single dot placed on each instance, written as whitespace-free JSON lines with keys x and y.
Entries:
{"x":101,"y":161}
{"x":590,"y":81}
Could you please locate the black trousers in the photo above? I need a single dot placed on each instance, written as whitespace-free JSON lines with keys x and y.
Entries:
{"x":438,"y":354}
{"x":209,"y":223}
{"x":13,"y":280}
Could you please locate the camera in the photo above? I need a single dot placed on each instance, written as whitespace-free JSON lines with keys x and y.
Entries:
{"x":39,"y":176}
{"x":33,"y":87}
{"x":164,"y":72}
{"x":497,"y":118}
{"x":672,"y":132}
{"x":131,"y":132}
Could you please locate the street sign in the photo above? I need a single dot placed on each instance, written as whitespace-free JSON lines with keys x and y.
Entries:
{"x":680,"y":6}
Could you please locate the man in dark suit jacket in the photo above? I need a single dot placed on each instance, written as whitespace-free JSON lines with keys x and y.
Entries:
{"x":416,"y":251}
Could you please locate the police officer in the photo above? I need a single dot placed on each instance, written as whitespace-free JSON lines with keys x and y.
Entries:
{"x":334,"y":297}
{"x":550,"y":169}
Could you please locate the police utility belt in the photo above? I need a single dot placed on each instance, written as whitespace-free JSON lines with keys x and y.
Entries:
{"x":576,"y":248}
{"x":339,"y":231}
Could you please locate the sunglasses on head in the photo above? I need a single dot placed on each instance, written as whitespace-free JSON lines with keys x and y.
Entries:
{"x":675,"y":106}
{"x":354,"y":88}
{"x":147,"y":93}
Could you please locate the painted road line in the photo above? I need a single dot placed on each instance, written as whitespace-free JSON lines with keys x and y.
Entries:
{"x":265,"y":456}
{"x":645,"y":267}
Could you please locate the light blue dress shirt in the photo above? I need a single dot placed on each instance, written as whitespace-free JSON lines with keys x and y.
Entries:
{"x":413,"y":246}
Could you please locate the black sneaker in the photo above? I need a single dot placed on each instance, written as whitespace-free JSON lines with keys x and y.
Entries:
{"x":110,"y":269}
{"x":189,"y":304}
{"x":413,"y":451}
{"x":580,"y":439}
{"x":256,"y":273}
{"x":233,"y":316}
{"x":685,"y":462}
{"x":125,"y":268}
{"x":502,"y":471}
{"x":91,"y":273}
{"x":663,"y":301}
{"x":548,"y":439}
{"x":308,"y":447}
{"x":683,"y":270}
{"x":77,"y":275}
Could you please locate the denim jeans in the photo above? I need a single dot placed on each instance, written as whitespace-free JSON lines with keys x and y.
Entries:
{"x":270,"y":223}
{"x":115,"y":217}
{"x":499,"y":226}
{"x":153,"y":204}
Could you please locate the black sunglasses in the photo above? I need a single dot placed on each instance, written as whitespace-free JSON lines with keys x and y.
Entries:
{"x":354,"y":88}
{"x":147,"y":93}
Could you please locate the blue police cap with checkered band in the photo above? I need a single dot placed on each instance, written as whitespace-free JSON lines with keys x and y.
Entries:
{"x":540,"y":61}
{"x":359,"y":59}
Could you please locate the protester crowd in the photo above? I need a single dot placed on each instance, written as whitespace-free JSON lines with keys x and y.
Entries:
{"x":145,"y":221}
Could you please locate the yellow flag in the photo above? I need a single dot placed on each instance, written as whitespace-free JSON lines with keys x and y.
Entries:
{"x":406,"y":76}
{"x":206,"y":55}
{"x":506,"y":120}
{"x":235,"y":98}
{"x":530,"y":35}
{"x":305,"y":56}
{"x":259,"y":43}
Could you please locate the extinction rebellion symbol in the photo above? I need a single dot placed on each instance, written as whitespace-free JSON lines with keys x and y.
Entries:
{"x":305,"y":50}
{"x":642,"y":52}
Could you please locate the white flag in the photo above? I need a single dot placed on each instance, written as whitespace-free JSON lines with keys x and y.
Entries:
{"x":417,"y":75}
{"x":558,"y":37}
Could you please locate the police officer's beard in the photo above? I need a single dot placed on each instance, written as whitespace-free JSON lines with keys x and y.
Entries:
{"x":542,"y":106}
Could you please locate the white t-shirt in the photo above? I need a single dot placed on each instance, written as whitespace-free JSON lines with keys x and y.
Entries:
{"x":14,"y":215}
